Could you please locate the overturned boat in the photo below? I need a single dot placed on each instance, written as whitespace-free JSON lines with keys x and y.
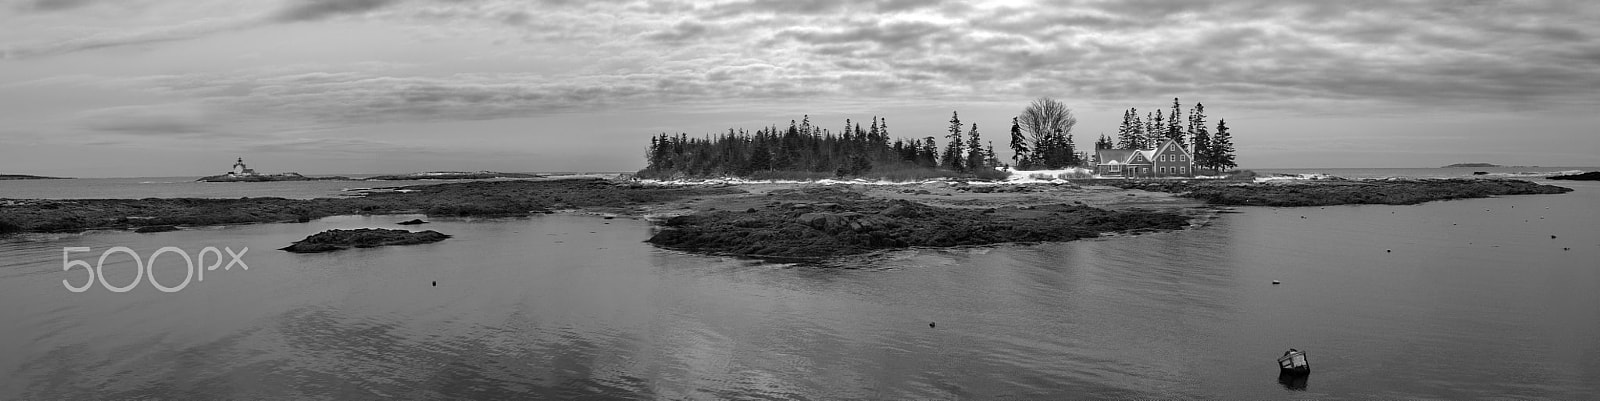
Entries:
{"x":1294,"y":361}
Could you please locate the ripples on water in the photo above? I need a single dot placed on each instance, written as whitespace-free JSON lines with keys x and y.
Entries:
{"x":1474,"y":300}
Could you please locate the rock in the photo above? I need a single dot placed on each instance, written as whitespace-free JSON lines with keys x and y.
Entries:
{"x":334,"y":240}
{"x":412,"y":222}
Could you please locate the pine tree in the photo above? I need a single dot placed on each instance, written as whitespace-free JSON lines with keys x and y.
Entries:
{"x":1124,"y":129}
{"x":988,"y":156}
{"x":1156,"y":130}
{"x":1019,"y":145}
{"x":1174,"y":128}
{"x":927,"y":156}
{"x":974,"y":149}
{"x":953,"y":158}
{"x":1136,"y":137}
{"x":1200,"y":135}
{"x":1222,"y":147}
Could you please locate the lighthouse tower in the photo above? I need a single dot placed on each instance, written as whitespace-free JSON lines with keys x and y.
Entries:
{"x":240,"y":169}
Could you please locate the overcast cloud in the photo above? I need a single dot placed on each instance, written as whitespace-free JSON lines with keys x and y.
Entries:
{"x":338,"y":68}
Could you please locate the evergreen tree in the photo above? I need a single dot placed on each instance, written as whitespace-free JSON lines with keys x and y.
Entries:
{"x":953,"y":158}
{"x":1222,"y":147}
{"x":760,"y":157}
{"x":927,"y":156}
{"x":1200,"y":135}
{"x":1124,"y":129}
{"x":975,"y":155}
{"x":1136,"y":141}
{"x":989,"y":160}
{"x":1158,"y":131}
{"x":1104,"y":143}
{"x":1175,"y":128}
{"x":1019,"y":145}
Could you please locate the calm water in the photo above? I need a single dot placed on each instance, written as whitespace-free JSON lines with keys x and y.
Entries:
{"x":1475,"y":299}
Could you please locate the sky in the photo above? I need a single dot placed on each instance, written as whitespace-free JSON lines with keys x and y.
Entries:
{"x":118,"y":88}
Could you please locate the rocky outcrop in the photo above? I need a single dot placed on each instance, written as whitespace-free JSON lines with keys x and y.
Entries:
{"x":1342,"y":192}
{"x":334,"y":240}
{"x":809,"y":231}
{"x":494,"y":198}
{"x":1589,"y":176}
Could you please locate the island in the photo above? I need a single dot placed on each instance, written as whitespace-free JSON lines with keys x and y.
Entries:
{"x":1457,"y":165}
{"x":242,"y":173}
{"x":4,"y":177}
{"x":452,"y":175}
{"x":1589,"y":176}
{"x":335,"y":240}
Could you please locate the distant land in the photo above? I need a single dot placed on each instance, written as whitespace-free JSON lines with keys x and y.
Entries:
{"x":1472,"y":165}
{"x":28,"y":177}
{"x":453,"y":175}
{"x":267,"y":178}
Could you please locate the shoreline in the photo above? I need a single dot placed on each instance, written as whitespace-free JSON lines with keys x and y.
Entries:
{"x":786,"y":221}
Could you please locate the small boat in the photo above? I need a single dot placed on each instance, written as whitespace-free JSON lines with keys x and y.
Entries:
{"x":1294,"y":361}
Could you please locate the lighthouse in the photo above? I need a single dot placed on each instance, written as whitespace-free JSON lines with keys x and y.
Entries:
{"x":239,"y":169}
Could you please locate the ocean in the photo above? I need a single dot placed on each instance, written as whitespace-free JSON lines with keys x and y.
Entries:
{"x":1479,"y":298}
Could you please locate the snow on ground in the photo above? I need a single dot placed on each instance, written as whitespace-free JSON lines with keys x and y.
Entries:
{"x":1038,"y":176}
{"x":1298,"y":177}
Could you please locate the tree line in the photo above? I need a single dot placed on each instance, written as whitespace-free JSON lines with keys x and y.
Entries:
{"x":1212,"y":150}
{"x":804,"y":147}
{"x":1041,"y":138}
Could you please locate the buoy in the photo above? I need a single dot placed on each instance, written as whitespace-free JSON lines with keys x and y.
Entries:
{"x":1552,"y":237}
{"x":436,"y":284}
{"x":1274,"y":282}
{"x":1388,"y":250}
{"x":930,"y":324}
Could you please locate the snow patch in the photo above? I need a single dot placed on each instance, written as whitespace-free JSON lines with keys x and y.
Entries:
{"x":1298,"y":177}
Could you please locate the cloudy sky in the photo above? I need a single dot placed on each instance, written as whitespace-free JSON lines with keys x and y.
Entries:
{"x":96,"y":88}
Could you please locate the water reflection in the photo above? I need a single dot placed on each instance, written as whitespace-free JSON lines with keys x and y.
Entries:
{"x":1293,"y":381}
{"x":572,"y":307}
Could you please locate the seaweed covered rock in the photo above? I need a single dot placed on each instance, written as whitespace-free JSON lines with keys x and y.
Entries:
{"x":861,"y":226}
{"x":334,"y":240}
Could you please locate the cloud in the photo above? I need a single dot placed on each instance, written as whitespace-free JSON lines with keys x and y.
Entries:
{"x":1297,"y":55}
{"x":50,"y":5}
{"x":119,"y":38}
{"x":293,"y":11}
{"x":162,"y":120}
{"x":312,"y":10}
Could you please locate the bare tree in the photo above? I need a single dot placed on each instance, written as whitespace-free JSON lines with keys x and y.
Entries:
{"x":1046,"y":116}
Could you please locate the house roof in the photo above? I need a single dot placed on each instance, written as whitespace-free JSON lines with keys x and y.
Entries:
{"x":1169,"y":143}
{"x":1119,"y":155}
